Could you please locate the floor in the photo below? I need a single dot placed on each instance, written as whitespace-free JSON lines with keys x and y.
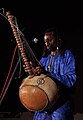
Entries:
{"x":29,"y":116}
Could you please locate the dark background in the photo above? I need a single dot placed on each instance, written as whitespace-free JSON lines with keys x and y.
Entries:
{"x":33,"y":18}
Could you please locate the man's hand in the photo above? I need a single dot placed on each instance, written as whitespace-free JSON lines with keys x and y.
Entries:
{"x":36,"y":70}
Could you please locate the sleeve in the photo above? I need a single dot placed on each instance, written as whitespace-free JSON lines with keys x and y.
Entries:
{"x":67,"y":74}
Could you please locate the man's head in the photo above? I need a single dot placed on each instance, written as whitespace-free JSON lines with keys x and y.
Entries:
{"x":51,"y":39}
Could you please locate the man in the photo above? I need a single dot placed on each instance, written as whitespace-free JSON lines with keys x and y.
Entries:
{"x":59,"y":64}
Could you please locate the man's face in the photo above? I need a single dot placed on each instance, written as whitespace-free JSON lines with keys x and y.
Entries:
{"x":50,"y":41}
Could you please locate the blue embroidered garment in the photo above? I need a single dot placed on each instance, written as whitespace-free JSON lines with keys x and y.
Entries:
{"x":62,"y":68}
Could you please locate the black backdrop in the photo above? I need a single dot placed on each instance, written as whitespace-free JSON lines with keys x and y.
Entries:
{"x":33,"y":19}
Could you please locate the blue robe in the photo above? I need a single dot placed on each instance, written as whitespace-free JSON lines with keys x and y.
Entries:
{"x":62,"y":69}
